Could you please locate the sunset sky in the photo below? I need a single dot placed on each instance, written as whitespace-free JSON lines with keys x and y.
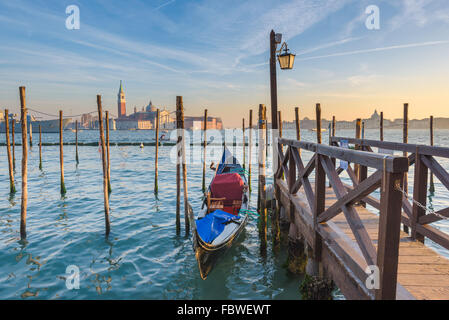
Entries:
{"x":215,"y":54}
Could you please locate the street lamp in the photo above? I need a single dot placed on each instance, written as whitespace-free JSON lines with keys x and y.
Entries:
{"x":286,"y":61}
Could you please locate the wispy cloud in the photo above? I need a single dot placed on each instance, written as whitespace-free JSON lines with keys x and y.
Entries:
{"x":164,"y":4}
{"x":380,"y":49}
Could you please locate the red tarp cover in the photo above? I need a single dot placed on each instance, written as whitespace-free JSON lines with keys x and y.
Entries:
{"x":229,"y":186}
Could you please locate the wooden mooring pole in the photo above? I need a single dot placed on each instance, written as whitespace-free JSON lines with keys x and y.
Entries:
{"x":13,"y":144}
{"x":24,"y":203}
{"x":76,"y":143}
{"x":12,"y":187}
{"x":40,"y":147}
{"x":250,"y":142}
{"x":358,"y":135}
{"x":405,"y":140}
{"x":298,"y":126}
{"x":262,"y":175}
{"x":319,"y":203}
{"x":61,"y":154}
{"x":334,"y":126}
{"x":107,"y":152}
{"x":105,"y":168}
{"x":178,"y":166}
{"x":204,"y":149}
{"x":156,"y":154}
{"x":31,"y":135}
{"x":381,"y":126}
{"x":276,"y":204}
{"x":244,"y":142}
{"x":182,"y":157}
{"x":432,"y":185}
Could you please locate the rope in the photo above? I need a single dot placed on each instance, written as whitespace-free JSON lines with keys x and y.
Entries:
{"x":431,"y":211}
{"x":240,"y":171}
{"x":251,"y":213}
{"x":68,"y":116}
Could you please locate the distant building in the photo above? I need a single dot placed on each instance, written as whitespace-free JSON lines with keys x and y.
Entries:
{"x":197,"y":123}
{"x":121,"y":102}
{"x":141,"y":120}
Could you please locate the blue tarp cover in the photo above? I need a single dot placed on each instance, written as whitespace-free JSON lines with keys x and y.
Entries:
{"x":212,"y":225}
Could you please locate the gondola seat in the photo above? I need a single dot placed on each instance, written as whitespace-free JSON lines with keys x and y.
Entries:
{"x":228,"y":187}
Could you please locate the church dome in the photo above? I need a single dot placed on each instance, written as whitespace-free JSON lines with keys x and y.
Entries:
{"x":150,"y":107}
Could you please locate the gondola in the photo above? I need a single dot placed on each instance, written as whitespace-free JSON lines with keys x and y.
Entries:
{"x":223,"y":214}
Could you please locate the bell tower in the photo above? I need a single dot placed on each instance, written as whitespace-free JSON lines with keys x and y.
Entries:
{"x":121,"y":102}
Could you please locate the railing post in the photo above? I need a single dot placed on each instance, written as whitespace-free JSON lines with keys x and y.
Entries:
{"x":405,"y":140}
{"x":389,"y":235}
{"x":291,"y":179}
{"x":320,"y":190}
{"x":319,"y":205}
{"x":432,"y":186}
{"x":419,"y":194}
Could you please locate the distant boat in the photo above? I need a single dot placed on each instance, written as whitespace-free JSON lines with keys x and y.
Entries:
{"x":47,"y":126}
{"x":322,"y":130}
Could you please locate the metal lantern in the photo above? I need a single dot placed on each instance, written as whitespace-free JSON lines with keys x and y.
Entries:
{"x":286,"y":59}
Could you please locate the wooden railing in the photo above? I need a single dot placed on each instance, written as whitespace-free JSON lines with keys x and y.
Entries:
{"x":389,"y":174}
{"x":416,"y":216}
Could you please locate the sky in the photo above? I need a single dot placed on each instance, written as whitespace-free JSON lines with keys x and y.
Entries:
{"x":215,"y":54}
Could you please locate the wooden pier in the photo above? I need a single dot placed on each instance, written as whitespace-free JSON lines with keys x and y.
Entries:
{"x":346,"y":237}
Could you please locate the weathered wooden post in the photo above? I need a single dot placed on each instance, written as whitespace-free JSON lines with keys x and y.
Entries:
{"x":178,"y":166}
{"x":23,"y":207}
{"x":432,"y":186}
{"x":40,"y":147}
{"x":280,"y":123}
{"x":250,"y":142}
{"x":382,"y":126}
{"x":320,"y":197}
{"x":405,"y":140}
{"x":334,"y":126}
{"x":419,"y":195}
{"x":262,"y":175}
{"x":156,"y":155}
{"x":13,"y":144}
{"x":204,"y":149}
{"x":276,"y":203}
{"x":318,"y":123}
{"x":358,"y":131}
{"x":361,"y":171}
{"x":182,"y":158}
{"x":244,"y":142}
{"x":107,"y":152}
{"x":363,"y":129}
{"x":298,"y":125}
{"x":76,"y":143}
{"x":105,"y":168}
{"x":389,"y":234}
{"x":31,"y":135}
{"x":12,"y":187}
{"x":61,"y":154}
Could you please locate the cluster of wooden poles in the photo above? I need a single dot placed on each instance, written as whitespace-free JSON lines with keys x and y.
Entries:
{"x":105,"y":154}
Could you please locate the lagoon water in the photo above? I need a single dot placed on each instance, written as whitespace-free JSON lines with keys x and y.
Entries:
{"x":143,"y":257}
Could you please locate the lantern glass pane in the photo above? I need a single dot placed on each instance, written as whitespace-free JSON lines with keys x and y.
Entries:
{"x":292,"y":61}
{"x":284,"y":61}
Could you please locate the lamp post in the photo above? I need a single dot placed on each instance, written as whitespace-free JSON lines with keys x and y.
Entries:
{"x":286,"y":61}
